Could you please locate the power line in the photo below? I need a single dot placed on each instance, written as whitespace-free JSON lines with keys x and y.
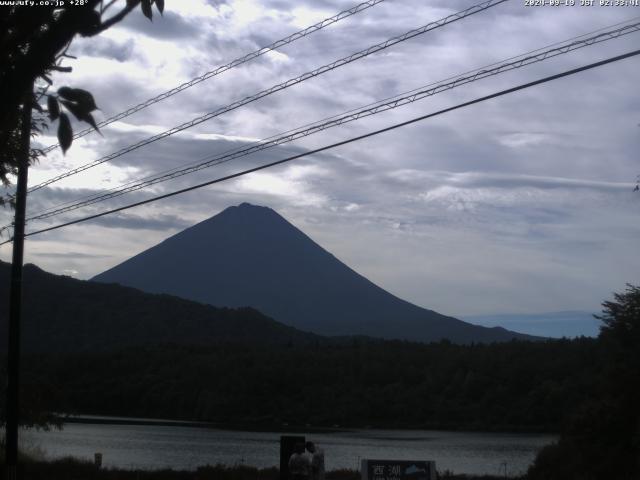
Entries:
{"x":337,"y":144}
{"x":234,"y":63}
{"x":294,"y":81}
{"x":319,"y":71}
{"x":521,"y":60}
{"x":614,"y":34}
{"x":382,"y":106}
{"x":351,"y":116}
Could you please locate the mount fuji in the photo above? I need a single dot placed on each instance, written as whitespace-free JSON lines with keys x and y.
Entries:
{"x":250,"y":256}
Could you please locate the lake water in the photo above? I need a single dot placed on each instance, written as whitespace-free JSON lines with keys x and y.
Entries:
{"x":178,"y":447}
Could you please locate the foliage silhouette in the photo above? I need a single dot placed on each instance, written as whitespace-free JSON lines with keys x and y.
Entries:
{"x":34,"y":42}
{"x":516,"y":386}
{"x":601,"y":440}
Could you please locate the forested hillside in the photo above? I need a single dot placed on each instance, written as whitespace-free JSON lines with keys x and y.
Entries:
{"x":62,"y":314}
{"x":509,"y":386}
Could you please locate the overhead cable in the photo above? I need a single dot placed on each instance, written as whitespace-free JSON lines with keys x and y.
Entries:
{"x":388,"y":104}
{"x":234,"y":63}
{"x":623,"y":30}
{"x":294,"y":81}
{"x":338,"y":144}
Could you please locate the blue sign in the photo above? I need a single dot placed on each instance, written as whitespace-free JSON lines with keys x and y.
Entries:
{"x":398,"y":470}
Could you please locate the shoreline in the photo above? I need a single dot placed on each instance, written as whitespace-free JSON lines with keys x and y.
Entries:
{"x":75,"y":468}
{"x":140,"y":461}
{"x":105,"y":420}
{"x":285,"y":428}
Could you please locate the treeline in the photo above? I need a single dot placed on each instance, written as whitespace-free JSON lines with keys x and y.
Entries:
{"x":507,"y":386}
{"x":600,"y":438}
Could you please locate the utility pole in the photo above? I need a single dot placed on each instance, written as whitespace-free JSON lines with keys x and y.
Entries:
{"x":15,"y":302}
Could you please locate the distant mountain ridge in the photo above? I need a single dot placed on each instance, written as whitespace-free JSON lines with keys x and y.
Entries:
{"x":251,"y":256}
{"x":65,"y":315}
{"x":570,"y":323}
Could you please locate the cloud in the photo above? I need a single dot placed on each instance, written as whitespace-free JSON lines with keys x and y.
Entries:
{"x":171,"y":26}
{"x":121,"y":51}
{"x":523,"y":139}
{"x":519,"y":204}
{"x":74,"y":255}
{"x":135,"y":222}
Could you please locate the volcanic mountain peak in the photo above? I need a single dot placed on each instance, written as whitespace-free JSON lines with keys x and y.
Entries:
{"x":249,"y":255}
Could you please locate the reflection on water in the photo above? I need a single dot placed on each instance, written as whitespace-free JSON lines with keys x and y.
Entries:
{"x":151,"y":447}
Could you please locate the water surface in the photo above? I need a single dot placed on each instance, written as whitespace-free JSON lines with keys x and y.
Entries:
{"x":180,"y":447}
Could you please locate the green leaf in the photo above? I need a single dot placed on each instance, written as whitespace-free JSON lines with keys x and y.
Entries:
{"x":89,"y":119}
{"x":81,"y":114}
{"x":146,"y":9}
{"x":53,"y":106}
{"x":77,"y":95}
{"x":65,"y":91}
{"x":65,"y":132}
{"x":160,"y":6}
{"x":78,"y":112}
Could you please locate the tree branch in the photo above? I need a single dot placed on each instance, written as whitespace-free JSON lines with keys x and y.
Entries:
{"x":108,"y":5}
{"x":115,"y":19}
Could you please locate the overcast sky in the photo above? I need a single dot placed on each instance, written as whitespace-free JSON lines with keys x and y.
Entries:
{"x":522,"y":204}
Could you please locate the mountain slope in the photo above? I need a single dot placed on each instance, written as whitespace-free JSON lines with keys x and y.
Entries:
{"x":62,"y":314}
{"x":251,"y":256}
{"x":569,"y":324}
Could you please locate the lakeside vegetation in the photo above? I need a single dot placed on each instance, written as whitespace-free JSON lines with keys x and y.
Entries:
{"x":68,"y":468}
{"x":515,"y":386}
{"x":35,"y":466}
